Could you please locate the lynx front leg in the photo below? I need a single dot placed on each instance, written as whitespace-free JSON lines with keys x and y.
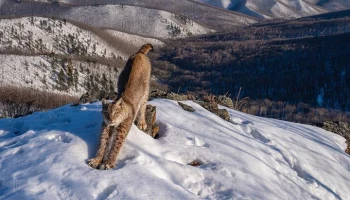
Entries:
{"x":95,"y":162}
{"x":141,"y":116}
{"x":122,"y":132}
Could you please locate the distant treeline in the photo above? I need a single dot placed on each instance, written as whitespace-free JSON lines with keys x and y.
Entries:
{"x":314,"y":70}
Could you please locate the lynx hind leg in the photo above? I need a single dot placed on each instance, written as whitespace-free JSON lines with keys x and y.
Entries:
{"x":119,"y":140}
{"x":95,"y":162}
{"x":141,"y":116}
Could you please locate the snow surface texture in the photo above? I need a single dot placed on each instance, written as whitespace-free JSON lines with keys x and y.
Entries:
{"x":43,"y":156}
{"x":280,"y":8}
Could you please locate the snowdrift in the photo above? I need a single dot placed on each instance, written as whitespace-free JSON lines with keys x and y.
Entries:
{"x":43,"y":156}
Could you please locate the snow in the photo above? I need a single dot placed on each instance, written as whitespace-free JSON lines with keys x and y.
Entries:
{"x":149,"y":22}
{"x":43,"y":156}
{"x":275,"y":8}
{"x":134,"y":40}
{"x":45,"y":35}
{"x":39,"y":72}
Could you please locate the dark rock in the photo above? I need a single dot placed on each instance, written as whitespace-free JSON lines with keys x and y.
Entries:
{"x":186,"y":107}
{"x":209,"y":102}
{"x":213,"y":107}
{"x":155,"y":93}
{"x":340,"y":128}
{"x":195,"y":163}
{"x":223,"y":113}
{"x":151,"y":114}
{"x":225,"y":101}
{"x":152,"y":126}
{"x":177,"y":97}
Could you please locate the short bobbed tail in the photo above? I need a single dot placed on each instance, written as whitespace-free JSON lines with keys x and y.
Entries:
{"x":146,"y":48}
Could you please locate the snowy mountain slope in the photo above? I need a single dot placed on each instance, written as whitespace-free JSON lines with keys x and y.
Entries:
{"x":207,"y":16}
{"x":47,"y":73}
{"x":149,"y":22}
{"x":27,"y":45}
{"x":43,"y":156}
{"x":134,"y":42}
{"x":280,"y":8}
{"x":131,"y":19}
{"x":45,"y":35}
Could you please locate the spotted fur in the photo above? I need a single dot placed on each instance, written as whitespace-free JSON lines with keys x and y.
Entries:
{"x":119,"y":115}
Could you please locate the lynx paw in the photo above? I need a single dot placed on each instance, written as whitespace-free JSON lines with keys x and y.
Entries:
{"x":106,"y":166}
{"x":94,"y":163}
{"x":142,"y":125}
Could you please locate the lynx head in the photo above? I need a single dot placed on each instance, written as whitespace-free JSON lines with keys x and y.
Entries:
{"x":112,"y":113}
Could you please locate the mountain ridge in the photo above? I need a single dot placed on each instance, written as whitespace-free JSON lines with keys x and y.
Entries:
{"x":279,"y":8}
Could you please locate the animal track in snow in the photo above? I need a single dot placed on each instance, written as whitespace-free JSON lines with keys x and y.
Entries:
{"x":163,"y":129}
{"x":197,"y":142}
{"x":219,"y":169}
{"x":18,"y":151}
{"x":258,"y":136}
{"x":57,"y":118}
{"x":91,"y":125}
{"x":238,"y":121}
{"x":291,"y":162}
{"x":18,"y":128}
{"x":106,"y":193}
{"x":11,"y":144}
{"x":65,"y":120}
{"x":128,"y":155}
{"x":62,"y":137}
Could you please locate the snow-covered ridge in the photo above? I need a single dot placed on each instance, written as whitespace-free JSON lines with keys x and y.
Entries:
{"x":43,"y":156}
{"x":25,"y":43}
{"x":56,"y":75}
{"x":134,"y":40}
{"x":137,"y":20}
{"x":280,"y":8}
{"x":46,"y":35}
{"x":207,"y":16}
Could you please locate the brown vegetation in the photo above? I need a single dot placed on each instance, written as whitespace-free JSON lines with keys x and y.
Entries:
{"x":16,"y":102}
{"x":300,"y":113}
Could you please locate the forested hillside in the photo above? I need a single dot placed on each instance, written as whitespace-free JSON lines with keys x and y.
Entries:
{"x":276,"y":60}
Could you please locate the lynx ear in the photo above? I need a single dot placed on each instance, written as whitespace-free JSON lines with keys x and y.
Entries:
{"x":118,"y":102}
{"x":104,"y":101}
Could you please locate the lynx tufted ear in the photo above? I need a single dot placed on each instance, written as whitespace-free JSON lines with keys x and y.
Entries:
{"x":104,"y":101}
{"x":118,"y":102}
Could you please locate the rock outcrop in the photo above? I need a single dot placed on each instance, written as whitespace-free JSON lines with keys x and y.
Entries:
{"x":155,"y":93}
{"x":186,"y":107}
{"x":225,"y":101}
{"x":152,"y":126}
{"x":213,"y":107}
{"x":340,"y":128}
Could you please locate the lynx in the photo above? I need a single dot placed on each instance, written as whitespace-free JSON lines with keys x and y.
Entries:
{"x":118,"y":116}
